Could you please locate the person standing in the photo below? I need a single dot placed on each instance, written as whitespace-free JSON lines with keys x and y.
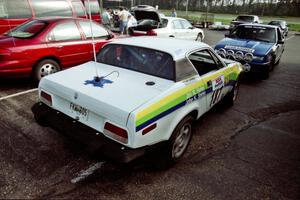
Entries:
{"x":123,"y":17}
{"x":174,"y":14}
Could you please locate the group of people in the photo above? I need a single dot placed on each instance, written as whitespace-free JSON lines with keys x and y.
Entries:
{"x":123,"y":17}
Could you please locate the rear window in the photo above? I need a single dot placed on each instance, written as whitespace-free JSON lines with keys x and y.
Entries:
{"x":27,"y":30}
{"x":46,"y":8}
{"x":245,"y":18}
{"x":13,"y":9}
{"x":148,"y":61}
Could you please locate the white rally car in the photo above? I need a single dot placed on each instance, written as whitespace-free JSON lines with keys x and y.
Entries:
{"x":148,"y":93}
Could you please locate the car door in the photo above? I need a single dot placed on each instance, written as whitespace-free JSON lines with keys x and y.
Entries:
{"x":279,"y":46}
{"x":214,"y":74}
{"x":177,"y":30}
{"x":66,"y":43}
{"x":188,"y":31}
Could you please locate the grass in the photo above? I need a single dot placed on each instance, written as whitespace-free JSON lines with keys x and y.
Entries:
{"x":293,"y":22}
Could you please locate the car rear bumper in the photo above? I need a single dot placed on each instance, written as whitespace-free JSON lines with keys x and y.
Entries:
{"x":93,"y":139}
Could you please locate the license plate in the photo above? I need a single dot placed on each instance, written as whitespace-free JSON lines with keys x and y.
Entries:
{"x":79,"y":111}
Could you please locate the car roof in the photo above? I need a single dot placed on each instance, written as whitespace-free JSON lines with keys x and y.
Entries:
{"x":172,"y":18}
{"x":177,"y":48}
{"x":259,"y":25}
{"x":56,"y":19}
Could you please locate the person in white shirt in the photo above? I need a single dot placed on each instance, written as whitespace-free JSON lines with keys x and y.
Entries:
{"x":123,"y":17}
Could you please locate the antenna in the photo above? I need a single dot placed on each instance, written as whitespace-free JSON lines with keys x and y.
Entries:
{"x":97,"y":78}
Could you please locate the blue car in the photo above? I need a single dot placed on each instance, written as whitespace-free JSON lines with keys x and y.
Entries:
{"x":259,"y":47}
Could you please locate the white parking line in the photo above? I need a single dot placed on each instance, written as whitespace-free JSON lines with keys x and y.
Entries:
{"x":289,"y":38}
{"x":85,"y":173}
{"x":18,"y":94}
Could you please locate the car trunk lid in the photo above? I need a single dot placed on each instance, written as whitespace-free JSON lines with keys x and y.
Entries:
{"x":113,"y":99}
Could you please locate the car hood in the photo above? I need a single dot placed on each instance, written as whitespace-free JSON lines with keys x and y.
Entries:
{"x":147,"y":14}
{"x":113,"y":98}
{"x":256,"y":47}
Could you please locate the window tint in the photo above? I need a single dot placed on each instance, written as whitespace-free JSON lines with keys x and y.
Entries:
{"x":65,"y":31}
{"x":95,"y":9}
{"x":78,"y":7}
{"x":14,"y":9}
{"x":98,"y":30}
{"x":203,"y":61}
{"x":46,"y":8}
{"x":186,"y":24}
{"x":139,"y":59}
{"x":176,"y":24}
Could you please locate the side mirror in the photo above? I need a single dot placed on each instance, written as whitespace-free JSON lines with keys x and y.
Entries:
{"x":191,"y":27}
{"x":281,"y":41}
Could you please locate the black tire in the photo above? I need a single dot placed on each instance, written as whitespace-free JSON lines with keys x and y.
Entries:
{"x":44,"y":68}
{"x":199,"y":37}
{"x":175,"y":147}
{"x":231,"y":97}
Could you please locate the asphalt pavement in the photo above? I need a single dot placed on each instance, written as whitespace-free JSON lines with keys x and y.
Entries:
{"x":248,"y":151}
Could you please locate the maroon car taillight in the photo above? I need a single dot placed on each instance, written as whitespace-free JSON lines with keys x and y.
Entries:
{"x":116,"y":132}
{"x":45,"y":97}
{"x":151,"y":32}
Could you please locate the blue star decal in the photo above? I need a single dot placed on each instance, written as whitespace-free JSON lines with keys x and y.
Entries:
{"x":98,"y":83}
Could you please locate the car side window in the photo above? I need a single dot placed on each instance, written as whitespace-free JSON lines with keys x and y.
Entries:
{"x":46,"y":8}
{"x":11,"y":9}
{"x":186,"y":24}
{"x":204,"y":62}
{"x":98,"y":30}
{"x":176,"y":24}
{"x":64,"y":32}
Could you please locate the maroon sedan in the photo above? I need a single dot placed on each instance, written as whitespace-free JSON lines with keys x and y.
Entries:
{"x":44,"y":46}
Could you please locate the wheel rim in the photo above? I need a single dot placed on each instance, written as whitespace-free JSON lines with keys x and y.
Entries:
{"x":181,"y":141}
{"x":47,"y":69}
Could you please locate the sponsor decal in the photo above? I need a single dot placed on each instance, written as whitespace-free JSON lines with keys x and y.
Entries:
{"x":237,"y":48}
{"x":218,"y":83}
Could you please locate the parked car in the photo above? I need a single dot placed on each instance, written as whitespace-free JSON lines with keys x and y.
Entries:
{"x":243,"y":19}
{"x":44,"y":46}
{"x":261,"y":46}
{"x":151,"y":23}
{"x":95,"y":9}
{"x":282,"y":25}
{"x":16,"y":12}
{"x":150,"y":91}
{"x":218,"y":26}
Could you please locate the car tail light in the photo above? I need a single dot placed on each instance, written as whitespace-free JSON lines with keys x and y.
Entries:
{"x":116,"y":132}
{"x":46,"y":97}
{"x":151,"y":32}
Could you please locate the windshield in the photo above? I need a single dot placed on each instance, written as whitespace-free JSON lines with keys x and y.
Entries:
{"x":27,"y":30}
{"x":245,"y":18}
{"x":148,"y":61}
{"x":264,"y":34}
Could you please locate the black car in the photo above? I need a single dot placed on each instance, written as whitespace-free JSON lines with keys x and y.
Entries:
{"x":282,"y":25}
{"x":243,"y":19}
